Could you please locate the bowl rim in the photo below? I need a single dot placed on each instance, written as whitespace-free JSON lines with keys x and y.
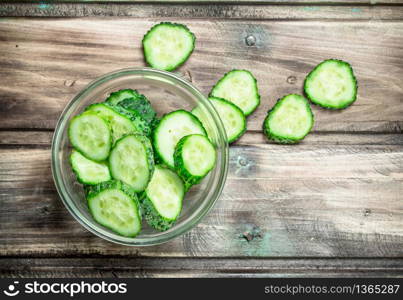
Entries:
{"x":177,"y":230}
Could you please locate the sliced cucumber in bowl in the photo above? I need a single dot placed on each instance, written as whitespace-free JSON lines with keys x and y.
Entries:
{"x":90,"y":134}
{"x":132,"y":161}
{"x":162,"y":200}
{"x":194,"y":158}
{"x":134,"y":103}
{"x":121,"y":121}
{"x":115,"y":206}
{"x":88,"y":171}
{"x":116,"y":97}
{"x":172,"y":127}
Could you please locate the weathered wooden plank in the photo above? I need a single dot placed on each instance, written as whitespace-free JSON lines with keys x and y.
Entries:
{"x":18,"y":138}
{"x":354,"y":9}
{"x":197,"y":267}
{"x":15,"y":138}
{"x":325,"y":138}
{"x":48,"y":4}
{"x":326,"y":201}
{"x":37,"y":84}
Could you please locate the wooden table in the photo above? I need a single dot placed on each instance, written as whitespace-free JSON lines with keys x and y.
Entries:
{"x":332,"y":205}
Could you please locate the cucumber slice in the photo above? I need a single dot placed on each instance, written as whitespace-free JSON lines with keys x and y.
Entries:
{"x":135,"y":103}
{"x":232,"y":117}
{"x":331,"y":84}
{"x":132,"y":161}
{"x":194,"y":158}
{"x":138,"y":120}
{"x":172,"y":127}
{"x":90,"y":135}
{"x":142,"y":107}
{"x":168,"y":45}
{"x":115,"y":206}
{"x":116,"y":97}
{"x":162,"y":200}
{"x":290,"y":120}
{"x":121,"y":121}
{"x":88,"y":171}
{"x":240,"y":88}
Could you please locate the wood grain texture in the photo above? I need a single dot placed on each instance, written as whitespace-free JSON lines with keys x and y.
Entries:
{"x":44,"y":63}
{"x":308,"y":200}
{"x":32,"y":139}
{"x":218,"y":9}
{"x":335,"y":196}
{"x":47,"y":3}
{"x":200,"y":267}
{"x":80,"y":7}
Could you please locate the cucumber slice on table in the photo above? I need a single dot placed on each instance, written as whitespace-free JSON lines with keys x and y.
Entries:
{"x":115,"y":206}
{"x":88,"y":171}
{"x":231,"y":115}
{"x":172,"y":127}
{"x":290,"y":120}
{"x":168,"y":45}
{"x":132,"y":161}
{"x":240,"y":88}
{"x":162,"y":200}
{"x":121,"y":121}
{"x":90,"y":134}
{"x":331,"y":84}
{"x":194,"y":158}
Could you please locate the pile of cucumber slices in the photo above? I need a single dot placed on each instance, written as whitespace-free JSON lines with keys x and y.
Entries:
{"x":235,"y":96}
{"x":134,"y":165}
{"x":331,"y":85}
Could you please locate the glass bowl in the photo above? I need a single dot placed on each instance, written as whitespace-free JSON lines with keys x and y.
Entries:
{"x":167,"y":92}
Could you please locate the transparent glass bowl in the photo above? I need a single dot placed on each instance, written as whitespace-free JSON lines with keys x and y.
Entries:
{"x":167,"y":92}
